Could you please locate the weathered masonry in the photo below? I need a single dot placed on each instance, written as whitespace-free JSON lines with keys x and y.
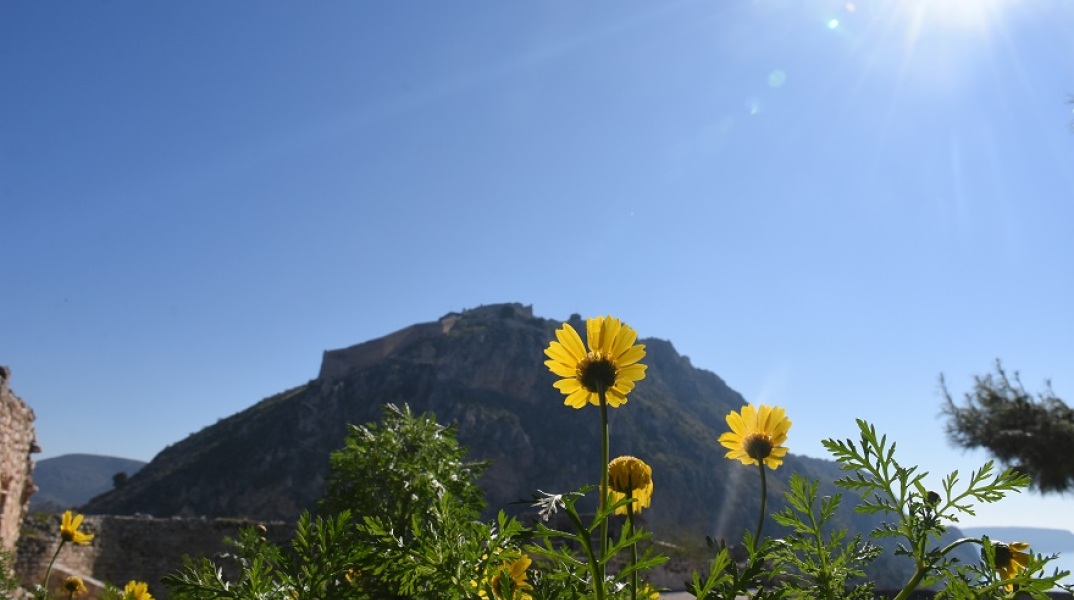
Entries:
{"x":17,"y":443}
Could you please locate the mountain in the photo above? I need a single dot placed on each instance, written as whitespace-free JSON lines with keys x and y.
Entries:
{"x":483,"y":371}
{"x":1041,"y":539}
{"x":70,"y":480}
{"x":1057,"y":543}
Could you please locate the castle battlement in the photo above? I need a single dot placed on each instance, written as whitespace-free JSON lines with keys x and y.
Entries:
{"x":337,"y":363}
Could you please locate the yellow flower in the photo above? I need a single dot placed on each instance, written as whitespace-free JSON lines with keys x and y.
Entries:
{"x":74,"y":586}
{"x":69,"y":529}
{"x":136,"y":590}
{"x":353,"y":576}
{"x":1010,"y":559}
{"x":757,"y":434}
{"x":630,"y":477}
{"x":647,"y":592}
{"x":610,"y":365}
{"x":516,"y":570}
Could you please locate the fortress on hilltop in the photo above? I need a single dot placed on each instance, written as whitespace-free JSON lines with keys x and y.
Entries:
{"x":338,"y":363}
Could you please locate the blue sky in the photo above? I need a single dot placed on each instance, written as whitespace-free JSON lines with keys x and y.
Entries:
{"x":828,"y":204}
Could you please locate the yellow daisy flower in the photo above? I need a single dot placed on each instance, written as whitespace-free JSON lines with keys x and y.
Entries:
{"x":648,"y":592}
{"x":1011,"y":559}
{"x":74,"y":586}
{"x":353,"y":576}
{"x":69,"y":529}
{"x":610,"y":365}
{"x":630,"y":477}
{"x":757,"y":434}
{"x":516,"y":570}
{"x":136,"y":590}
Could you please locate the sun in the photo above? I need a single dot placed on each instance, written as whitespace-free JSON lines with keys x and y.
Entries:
{"x":975,"y":17}
{"x":932,"y":47}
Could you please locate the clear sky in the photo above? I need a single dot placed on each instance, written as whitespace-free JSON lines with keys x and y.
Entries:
{"x":828,"y":204}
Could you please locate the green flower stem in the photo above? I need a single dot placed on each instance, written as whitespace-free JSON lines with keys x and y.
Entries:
{"x":603,"y":470}
{"x":818,"y":539}
{"x":596,"y":568}
{"x":603,"y":486}
{"x":764,"y":500}
{"x":959,"y":542}
{"x":921,"y":570}
{"x":633,"y":553}
{"x":48,"y":571}
{"x":911,"y":585}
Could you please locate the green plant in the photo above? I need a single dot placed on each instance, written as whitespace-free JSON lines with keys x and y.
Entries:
{"x":317,"y":565}
{"x":815,"y":562}
{"x":575,"y":563}
{"x":1032,"y":433}
{"x":398,"y":469}
{"x":808,"y":563}
{"x":8,"y":582}
{"x":416,"y":534}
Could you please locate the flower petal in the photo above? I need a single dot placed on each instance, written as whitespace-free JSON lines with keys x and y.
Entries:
{"x":630,"y":356}
{"x":615,"y":398}
{"x":577,"y":398}
{"x":561,"y":369}
{"x":624,"y":340}
{"x":557,"y":352}
{"x":567,"y":386}
{"x":571,"y":342}
{"x":594,"y":326}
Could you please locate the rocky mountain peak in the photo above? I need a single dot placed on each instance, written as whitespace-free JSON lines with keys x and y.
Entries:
{"x":481,"y":370}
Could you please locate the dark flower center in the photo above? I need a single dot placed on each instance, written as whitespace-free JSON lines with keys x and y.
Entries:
{"x":596,"y":373}
{"x":1003,"y":555}
{"x":758,"y":446}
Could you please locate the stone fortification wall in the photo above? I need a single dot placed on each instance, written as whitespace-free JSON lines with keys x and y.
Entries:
{"x":17,"y":443}
{"x":126,"y":548}
{"x":338,"y":363}
{"x":147,"y":549}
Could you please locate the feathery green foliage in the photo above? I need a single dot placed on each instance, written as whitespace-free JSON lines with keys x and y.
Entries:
{"x":1034,"y":435}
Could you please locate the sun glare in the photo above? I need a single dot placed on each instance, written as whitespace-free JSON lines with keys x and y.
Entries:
{"x":941,"y":42}
{"x":970,"y":16}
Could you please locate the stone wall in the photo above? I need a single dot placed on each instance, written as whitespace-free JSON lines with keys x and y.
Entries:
{"x":17,"y":442}
{"x":146,"y":549}
{"x":338,"y":363}
{"x":125,"y":548}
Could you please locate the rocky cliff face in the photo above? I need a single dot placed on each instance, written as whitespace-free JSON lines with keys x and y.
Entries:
{"x":17,"y":443}
{"x":483,"y":371}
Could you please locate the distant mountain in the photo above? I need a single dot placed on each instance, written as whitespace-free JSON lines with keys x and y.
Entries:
{"x":70,"y":480}
{"x":1040,"y":539}
{"x":483,"y":371}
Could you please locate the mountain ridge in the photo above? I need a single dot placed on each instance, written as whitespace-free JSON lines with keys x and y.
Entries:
{"x":70,"y":480}
{"x":1042,"y":539}
{"x":482,"y":371}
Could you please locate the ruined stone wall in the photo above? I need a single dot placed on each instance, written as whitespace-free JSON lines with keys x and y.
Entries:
{"x":338,"y":363}
{"x":125,"y":548}
{"x":146,"y":549}
{"x":17,"y":442}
